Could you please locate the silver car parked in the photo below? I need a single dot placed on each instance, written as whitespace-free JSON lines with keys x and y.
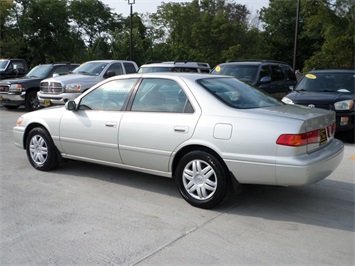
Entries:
{"x":203,"y":130}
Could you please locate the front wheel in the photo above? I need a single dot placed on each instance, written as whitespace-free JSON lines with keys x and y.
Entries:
{"x":41,"y":151}
{"x":32,"y":102}
{"x":202,"y":179}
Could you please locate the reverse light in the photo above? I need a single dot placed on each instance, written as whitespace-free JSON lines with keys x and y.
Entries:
{"x":73,"y":88}
{"x":344,"y":105}
{"x":15,"y":87}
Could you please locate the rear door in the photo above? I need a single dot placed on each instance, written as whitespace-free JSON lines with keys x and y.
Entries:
{"x":160,"y":118}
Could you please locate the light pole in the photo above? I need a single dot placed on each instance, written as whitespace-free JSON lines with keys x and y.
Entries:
{"x":131,"y":3}
{"x":296,"y":36}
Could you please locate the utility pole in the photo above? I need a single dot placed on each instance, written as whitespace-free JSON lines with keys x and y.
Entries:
{"x":131,"y":3}
{"x":296,"y":36}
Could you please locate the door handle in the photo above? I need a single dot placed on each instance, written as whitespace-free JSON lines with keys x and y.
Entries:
{"x":181,"y":129}
{"x":111,"y":124}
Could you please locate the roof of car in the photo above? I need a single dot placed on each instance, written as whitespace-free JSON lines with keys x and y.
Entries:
{"x":177,"y":64}
{"x":55,"y":64}
{"x":333,"y":70}
{"x":253,"y":62}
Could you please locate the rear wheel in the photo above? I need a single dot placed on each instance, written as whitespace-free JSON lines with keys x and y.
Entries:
{"x":202,"y":179}
{"x":41,"y":151}
{"x":32,"y":102}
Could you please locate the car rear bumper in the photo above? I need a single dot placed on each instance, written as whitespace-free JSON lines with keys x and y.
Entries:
{"x":310,"y":168}
{"x":290,"y":170}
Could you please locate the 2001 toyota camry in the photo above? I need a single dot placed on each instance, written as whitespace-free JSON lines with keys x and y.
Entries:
{"x":201,"y":129}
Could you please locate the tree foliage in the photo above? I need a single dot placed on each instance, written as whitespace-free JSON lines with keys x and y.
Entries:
{"x":212,"y":31}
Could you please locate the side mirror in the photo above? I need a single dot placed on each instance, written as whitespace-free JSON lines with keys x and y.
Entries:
{"x":291,"y":88}
{"x":55,"y":75}
{"x":110,"y":73}
{"x":70,"y":105}
{"x":265,"y":80}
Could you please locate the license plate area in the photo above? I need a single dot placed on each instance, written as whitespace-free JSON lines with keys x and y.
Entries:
{"x":323,"y":136}
{"x":47,"y":102}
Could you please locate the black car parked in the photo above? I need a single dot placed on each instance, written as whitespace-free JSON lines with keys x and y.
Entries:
{"x":328,"y":89}
{"x":273,"y":77}
{"x":23,"y":91}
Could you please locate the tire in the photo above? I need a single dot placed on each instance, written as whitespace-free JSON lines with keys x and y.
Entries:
{"x":41,"y":151}
{"x":202,"y":179}
{"x":32,"y":102}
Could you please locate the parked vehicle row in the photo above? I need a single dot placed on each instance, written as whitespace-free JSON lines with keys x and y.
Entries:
{"x":23,"y":91}
{"x":325,"y":89}
{"x":331,"y":89}
{"x":59,"y":90}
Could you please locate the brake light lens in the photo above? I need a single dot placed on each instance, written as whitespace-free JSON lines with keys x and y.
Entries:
{"x":296,"y":140}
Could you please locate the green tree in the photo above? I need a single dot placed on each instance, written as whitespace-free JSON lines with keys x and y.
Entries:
{"x":334,"y":20}
{"x":39,"y":31}
{"x":212,"y":31}
{"x":279,"y":20}
{"x":94,"y":23}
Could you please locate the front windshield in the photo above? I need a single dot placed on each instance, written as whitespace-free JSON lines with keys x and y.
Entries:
{"x":90,"y":68}
{"x":246,"y":73}
{"x":39,"y":72}
{"x":3,"y":64}
{"x":327,"y":82}
{"x":237,"y":94}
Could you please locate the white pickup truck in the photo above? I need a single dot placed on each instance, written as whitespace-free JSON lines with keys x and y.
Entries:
{"x":59,"y":90}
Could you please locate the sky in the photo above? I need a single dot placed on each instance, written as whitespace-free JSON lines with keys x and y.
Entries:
{"x":150,"y":6}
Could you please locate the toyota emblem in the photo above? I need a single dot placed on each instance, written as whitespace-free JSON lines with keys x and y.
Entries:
{"x":311,"y":106}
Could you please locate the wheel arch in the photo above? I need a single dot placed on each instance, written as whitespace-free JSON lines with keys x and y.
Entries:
{"x":195,"y":147}
{"x":34,"y":125}
{"x":30,"y":89}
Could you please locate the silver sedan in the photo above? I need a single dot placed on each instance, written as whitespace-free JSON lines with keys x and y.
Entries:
{"x":203,"y":130}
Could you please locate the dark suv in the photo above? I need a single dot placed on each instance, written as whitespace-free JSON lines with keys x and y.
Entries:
{"x":328,"y":89}
{"x":273,"y":77}
{"x":23,"y":91}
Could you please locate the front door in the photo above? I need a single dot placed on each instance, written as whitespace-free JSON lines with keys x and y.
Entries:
{"x":91,"y":132}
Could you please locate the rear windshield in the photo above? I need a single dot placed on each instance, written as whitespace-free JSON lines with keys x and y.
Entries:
{"x":237,"y":94}
{"x":325,"y":82}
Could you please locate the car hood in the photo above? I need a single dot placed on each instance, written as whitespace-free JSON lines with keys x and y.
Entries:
{"x":21,"y":80}
{"x":75,"y":78}
{"x":305,"y":97}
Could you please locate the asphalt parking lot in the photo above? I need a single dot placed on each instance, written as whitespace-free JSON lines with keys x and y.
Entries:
{"x":85,"y":214}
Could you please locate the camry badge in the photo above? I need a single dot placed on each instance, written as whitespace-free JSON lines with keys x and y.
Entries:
{"x":311,"y":106}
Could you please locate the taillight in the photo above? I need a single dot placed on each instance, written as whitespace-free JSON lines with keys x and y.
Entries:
{"x":297,"y":140}
{"x":292,"y":139}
